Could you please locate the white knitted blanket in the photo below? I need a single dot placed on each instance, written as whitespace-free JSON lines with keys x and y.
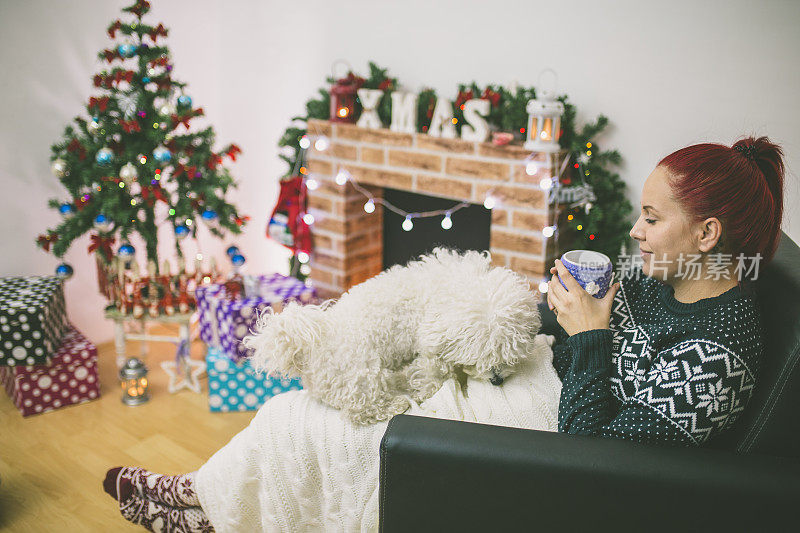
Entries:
{"x":303,"y":466}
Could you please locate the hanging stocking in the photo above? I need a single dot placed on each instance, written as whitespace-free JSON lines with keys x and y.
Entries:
{"x":286,"y":224}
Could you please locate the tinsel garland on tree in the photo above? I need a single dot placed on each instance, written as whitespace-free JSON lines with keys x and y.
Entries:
{"x":601,"y":225}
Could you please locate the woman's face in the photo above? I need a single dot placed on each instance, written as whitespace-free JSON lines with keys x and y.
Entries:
{"x":665,"y":233}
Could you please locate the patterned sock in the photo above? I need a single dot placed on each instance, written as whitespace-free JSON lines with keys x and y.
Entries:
{"x":143,"y":497}
{"x":174,"y":491}
{"x":157,"y":517}
{"x":110,"y":484}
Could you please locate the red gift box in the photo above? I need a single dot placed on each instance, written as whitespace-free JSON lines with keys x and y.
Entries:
{"x":71,"y":378}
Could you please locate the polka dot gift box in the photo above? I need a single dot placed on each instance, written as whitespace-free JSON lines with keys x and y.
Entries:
{"x":33,"y":319}
{"x":235,"y":318}
{"x":236,"y":387}
{"x":71,"y":378}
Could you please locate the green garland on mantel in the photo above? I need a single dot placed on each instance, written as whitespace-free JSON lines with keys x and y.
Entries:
{"x":604,"y":225}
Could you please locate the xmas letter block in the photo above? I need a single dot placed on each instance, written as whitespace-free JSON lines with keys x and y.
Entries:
{"x":237,"y":387}
{"x":33,"y":319}
{"x":71,"y":378}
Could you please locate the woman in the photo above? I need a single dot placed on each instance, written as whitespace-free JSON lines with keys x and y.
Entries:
{"x":670,"y":356}
{"x":681,"y":347}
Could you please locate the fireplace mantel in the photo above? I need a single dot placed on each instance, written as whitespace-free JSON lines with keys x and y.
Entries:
{"x":348,"y":241}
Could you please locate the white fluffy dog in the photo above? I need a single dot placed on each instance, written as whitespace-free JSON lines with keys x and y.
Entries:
{"x":403,"y":333}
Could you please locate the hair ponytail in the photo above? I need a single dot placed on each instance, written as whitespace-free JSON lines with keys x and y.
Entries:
{"x":768,"y":157}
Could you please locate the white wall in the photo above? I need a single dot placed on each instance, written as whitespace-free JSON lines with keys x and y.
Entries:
{"x":667,"y":74}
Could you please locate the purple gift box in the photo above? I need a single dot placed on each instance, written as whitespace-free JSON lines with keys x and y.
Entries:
{"x":208,"y":297}
{"x":225,"y":321}
{"x":235,"y":318}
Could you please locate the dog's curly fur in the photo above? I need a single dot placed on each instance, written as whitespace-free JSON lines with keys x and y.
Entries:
{"x":403,"y":333}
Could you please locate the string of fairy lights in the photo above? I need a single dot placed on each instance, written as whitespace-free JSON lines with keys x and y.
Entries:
{"x":549,"y":184}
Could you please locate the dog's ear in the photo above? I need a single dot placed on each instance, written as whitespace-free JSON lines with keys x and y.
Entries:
{"x":282,"y":341}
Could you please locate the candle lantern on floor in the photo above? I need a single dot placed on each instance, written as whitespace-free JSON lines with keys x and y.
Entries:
{"x":133,"y":379}
{"x":544,"y":123}
{"x":343,"y":98}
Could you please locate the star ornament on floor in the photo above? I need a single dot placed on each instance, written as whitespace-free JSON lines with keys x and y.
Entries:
{"x":184,"y":374}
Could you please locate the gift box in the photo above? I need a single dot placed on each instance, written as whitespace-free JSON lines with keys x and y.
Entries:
{"x":71,"y":378}
{"x":278,"y":288}
{"x":33,"y":319}
{"x":235,"y":318}
{"x":236,"y":386}
{"x":226,"y":319}
{"x":208,"y":297}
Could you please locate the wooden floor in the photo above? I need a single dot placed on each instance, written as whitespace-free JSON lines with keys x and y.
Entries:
{"x":52,"y":465}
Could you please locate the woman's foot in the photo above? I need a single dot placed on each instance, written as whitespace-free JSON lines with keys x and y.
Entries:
{"x":143,"y":495}
{"x":174,"y":491}
{"x":118,"y":486}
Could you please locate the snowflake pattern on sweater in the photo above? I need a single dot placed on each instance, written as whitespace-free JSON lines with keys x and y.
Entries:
{"x":665,"y":371}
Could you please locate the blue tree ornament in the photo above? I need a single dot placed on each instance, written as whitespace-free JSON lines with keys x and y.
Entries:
{"x":103,"y":223}
{"x":209,"y":215}
{"x":126,"y":50}
{"x":162,"y":154}
{"x":237,"y":260}
{"x":184,"y":102}
{"x":232,"y":250}
{"x":126,"y":251}
{"x":181,"y":232}
{"x":104,"y":156}
{"x":66,"y":209}
{"x":64,"y":271}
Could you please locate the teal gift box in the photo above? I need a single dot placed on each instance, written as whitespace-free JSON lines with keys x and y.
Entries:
{"x":237,"y":387}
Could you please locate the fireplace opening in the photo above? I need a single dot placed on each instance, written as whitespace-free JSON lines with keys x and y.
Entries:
{"x":470,"y":229}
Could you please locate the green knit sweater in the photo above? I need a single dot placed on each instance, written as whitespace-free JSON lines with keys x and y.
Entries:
{"x":666,"y":372}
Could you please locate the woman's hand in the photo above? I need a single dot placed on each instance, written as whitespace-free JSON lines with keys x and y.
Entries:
{"x":576,"y":310}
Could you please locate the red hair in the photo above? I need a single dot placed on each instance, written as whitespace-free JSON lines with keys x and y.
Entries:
{"x":741,"y":185}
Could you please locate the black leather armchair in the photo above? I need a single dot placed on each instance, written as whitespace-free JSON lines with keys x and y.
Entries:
{"x":442,"y":475}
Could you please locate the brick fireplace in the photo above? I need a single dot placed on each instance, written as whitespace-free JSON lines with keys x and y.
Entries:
{"x":348,"y":241}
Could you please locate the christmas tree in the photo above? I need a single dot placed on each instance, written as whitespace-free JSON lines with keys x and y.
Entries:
{"x":133,"y":165}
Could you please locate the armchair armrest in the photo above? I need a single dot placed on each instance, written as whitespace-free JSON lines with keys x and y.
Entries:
{"x":444,"y":475}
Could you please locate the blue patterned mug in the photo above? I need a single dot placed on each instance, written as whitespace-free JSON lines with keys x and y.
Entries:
{"x":592,"y":270}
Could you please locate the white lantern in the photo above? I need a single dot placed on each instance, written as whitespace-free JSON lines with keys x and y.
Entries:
{"x":544,"y":123}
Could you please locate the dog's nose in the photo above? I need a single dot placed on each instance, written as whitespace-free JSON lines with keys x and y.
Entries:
{"x":496,"y":380}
